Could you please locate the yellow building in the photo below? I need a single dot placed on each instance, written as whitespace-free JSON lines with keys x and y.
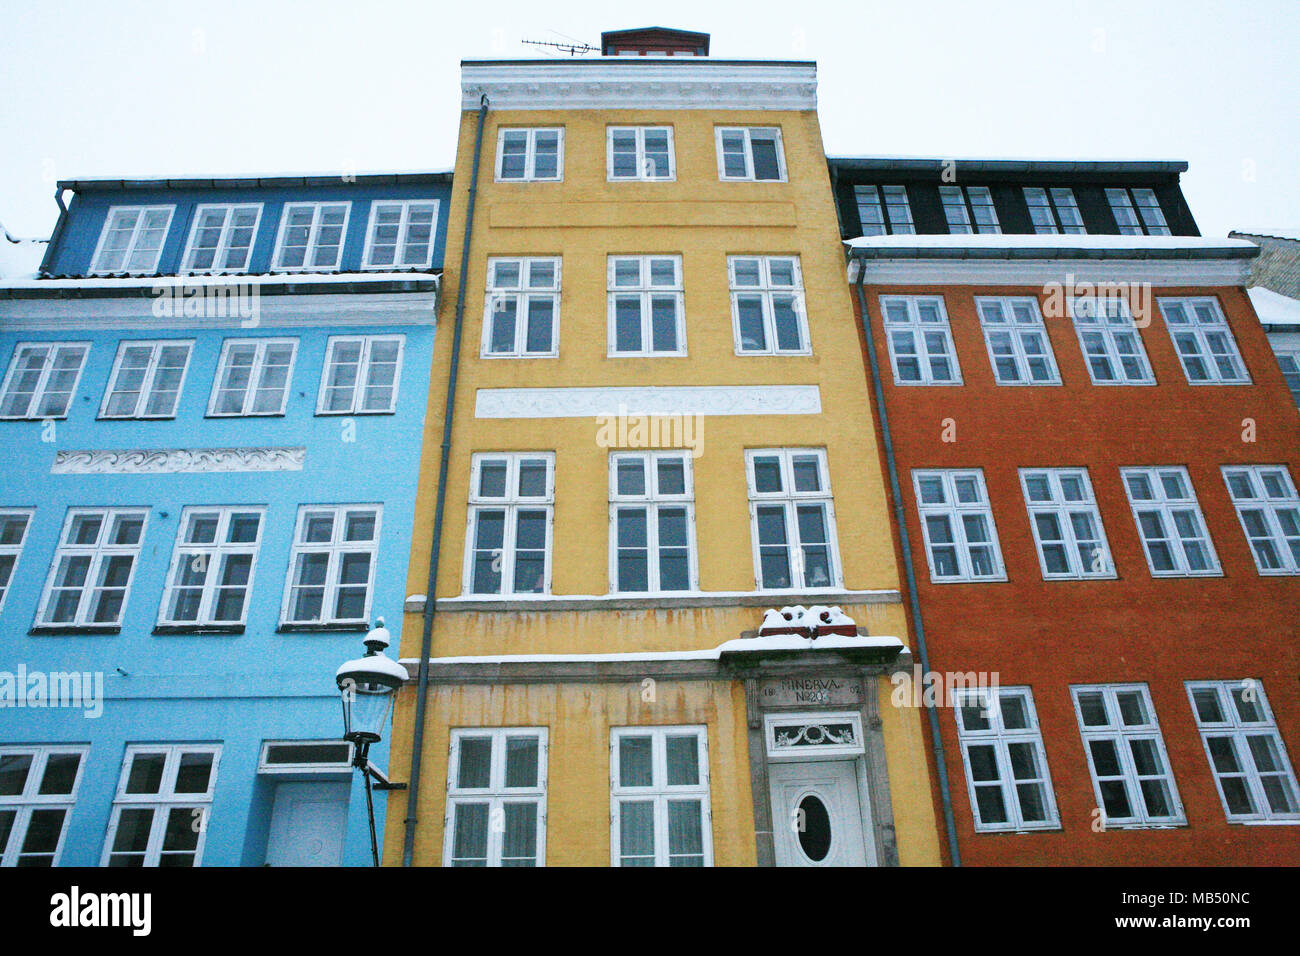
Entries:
{"x":660,"y":430}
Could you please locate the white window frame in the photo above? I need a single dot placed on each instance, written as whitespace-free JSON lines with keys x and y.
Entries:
{"x":1165,"y":506}
{"x":530,"y":154}
{"x":511,"y":504}
{"x":336,"y":548}
{"x":1291,"y":376}
{"x":222,"y":250}
{"x":1285,"y":546}
{"x":647,"y":292}
{"x":1000,"y":739}
{"x":659,"y":793}
{"x":164,"y":801}
{"x":140,"y":212}
{"x":652,"y":502}
{"x":14,"y":550}
{"x":255,"y":376}
{"x":363,"y":374}
{"x":1199,"y":328}
{"x":522,"y":294}
{"x":954,"y":511}
{"x":767,"y":290}
{"x":641,"y":175}
{"x":1111,"y":328}
{"x":264,"y":765}
{"x":1122,"y":736}
{"x":98,"y":553}
{"x":1011,"y":308}
{"x":790,"y":500}
{"x":313,"y":236}
{"x":1124,"y":199}
{"x":969,"y":224}
{"x":917,"y":329}
{"x":1053,"y":199}
{"x":212,"y":555}
{"x":1238,"y":731}
{"x":403,"y":231}
{"x":31,"y":800}
{"x":147,"y":390}
{"x":878,"y":197}
{"x":748,"y":132}
{"x":1062,"y":509}
{"x":496,"y":794}
{"x":40,"y":393}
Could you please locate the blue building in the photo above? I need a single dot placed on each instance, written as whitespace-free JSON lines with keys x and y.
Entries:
{"x":210,"y":420}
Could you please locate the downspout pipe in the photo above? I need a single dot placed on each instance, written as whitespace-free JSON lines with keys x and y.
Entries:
{"x":909,"y":570}
{"x":47,"y":260}
{"x":431,"y":591}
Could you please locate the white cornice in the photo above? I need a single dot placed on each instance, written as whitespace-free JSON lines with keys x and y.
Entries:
{"x":617,"y":84}
{"x":1024,"y":272}
{"x":650,"y":400}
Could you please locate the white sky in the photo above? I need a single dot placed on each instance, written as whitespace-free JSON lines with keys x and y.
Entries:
{"x":236,"y":86}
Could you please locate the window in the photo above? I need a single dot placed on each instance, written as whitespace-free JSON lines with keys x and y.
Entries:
{"x":961,"y":541}
{"x":93,"y":567}
{"x":1112,"y":347}
{"x":750,"y":154}
{"x":1152,"y":219}
{"x":332,"y":568}
{"x":401,"y":235}
{"x":530,"y":155}
{"x":792,"y":519}
{"x":969,"y":209}
{"x":306,"y":756}
{"x":767,"y":305}
{"x":883,"y":210}
{"x":146,"y":380}
{"x":132,"y":239}
{"x":1269,"y":511}
{"x":521,"y":315}
{"x":1066,"y":523}
{"x":646,"y":316}
{"x":1289,"y":362}
{"x":1204,"y":342}
{"x":652,"y":522}
{"x":361,"y":375}
{"x":1006,"y":768}
{"x":212,"y":566}
{"x":253,"y":377}
{"x":41,"y":380}
{"x":311,"y":236}
{"x":496,"y":798}
{"x":509,"y":536}
{"x":1131,"y":777}
{"x":160,"y":815}
{"x":38,"y":789}
{"x":1054,"y":211}
{"x":1245,"y":750}
{"x":1017,"y":341}
{"x":659,"y":797}
{"x":1169,"y":521}
{"x":920,"y":342}
{"x":222,"y":238}
{"x":13,"y":532}
{"x":643,"y":153}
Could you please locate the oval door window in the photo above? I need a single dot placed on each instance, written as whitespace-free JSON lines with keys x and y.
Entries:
{"x":815,"y":835}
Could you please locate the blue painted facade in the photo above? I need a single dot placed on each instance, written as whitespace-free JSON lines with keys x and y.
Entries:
{"x":241,"y":687}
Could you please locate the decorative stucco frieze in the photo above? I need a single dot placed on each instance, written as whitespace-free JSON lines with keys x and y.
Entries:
{"x":175,"y":461}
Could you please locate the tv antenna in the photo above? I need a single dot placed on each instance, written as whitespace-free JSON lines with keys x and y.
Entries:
{"x":573,"y":49}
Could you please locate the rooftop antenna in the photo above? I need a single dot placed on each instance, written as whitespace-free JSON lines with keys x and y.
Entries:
{"x":573,"y":49}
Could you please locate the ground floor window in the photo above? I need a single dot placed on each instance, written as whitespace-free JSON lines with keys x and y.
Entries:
{"x":496,"y":797}
{"x":38,"y":788}
{"x":160,"y":814}
{"x":660,"y":797}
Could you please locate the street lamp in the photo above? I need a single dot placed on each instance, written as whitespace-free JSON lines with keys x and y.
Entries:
{"x":368,"y":686}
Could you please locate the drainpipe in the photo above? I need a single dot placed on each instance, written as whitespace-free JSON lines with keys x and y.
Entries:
{"x":909,"y":571}
{"x":47,"y":260}
{"x":431,"y":591}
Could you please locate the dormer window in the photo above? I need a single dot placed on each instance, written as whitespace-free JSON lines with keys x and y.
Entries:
{"x":222,"y":240}
{"x":1054,"y":211}
{"x":969,"y":209}
{"x":1146,"y":219}
{"x":311,"y":236}
{"x":132,"y":240}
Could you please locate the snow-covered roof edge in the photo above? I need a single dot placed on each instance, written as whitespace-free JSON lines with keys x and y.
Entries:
{"x":215,"y":281}
{"x":1274,"y":308}
{"x":234,"y":179}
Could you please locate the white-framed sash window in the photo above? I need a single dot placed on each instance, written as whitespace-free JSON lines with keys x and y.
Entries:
{"x":1112,"y":347}
{"x":222,"y":237}
{"x":1007,"y":778}
{"x":961,"y":539}
{"x":496,"y":797}
{"x":646,"y":311}
{"x":361,"y":375}
{"x":211,"y":574}
{"x":640,"y":154}
{"x":750,"y":154}
{"x":1066,"y":523}
{"x":521,"y":311}
{"x":332,"y":566}
{"x":253,"y":377}
{"x":400,"y":234}
{"x":969,"y":209}
{"x":147,"y":379}
{"x":767,"y":305}
{"x":530,"y":154}
{"x":132,"y":240}
{"x":651,"y":522}
{"x":311,"y":236}
{"x":1269,"y":511}
{"x":920,"y":342}
{"x":160,"y":813}
{"x":14,"y":524}
{"x":90,"y":577}
{"x":1054,"y":210}
{"x":508,"y":539}
{"x":1019,"y":350}
{"x":42,"y":378}
{"x":1204,"y":341}
{"x":883,"y":210}
{"x":659,"y":795}
{"x":1169,"y":522}
{"x":792,"y":519}
{"x":38,"y":789}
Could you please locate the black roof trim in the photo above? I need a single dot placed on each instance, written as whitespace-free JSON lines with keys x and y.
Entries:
{"x":226,"y":182}
{"x":904,"y":164}
{"x":1039,"y":252}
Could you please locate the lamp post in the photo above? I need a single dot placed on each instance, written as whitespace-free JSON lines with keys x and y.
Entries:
{"x":367,"y":686}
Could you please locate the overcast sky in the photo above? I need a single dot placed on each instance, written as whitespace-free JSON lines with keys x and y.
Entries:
{"x":170,"y":87}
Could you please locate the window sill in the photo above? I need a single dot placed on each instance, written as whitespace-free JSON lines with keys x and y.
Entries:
{"x":487,"y":603}
{"x":359,"y":627}
{"x":320,"y":414}
{"x":199,"y":629}
{"x":40,"y":630}
{"x":215,"y":416}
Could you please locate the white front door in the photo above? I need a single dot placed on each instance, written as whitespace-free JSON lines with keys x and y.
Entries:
{"x":308,"y":823}
{"x":816,"y":814}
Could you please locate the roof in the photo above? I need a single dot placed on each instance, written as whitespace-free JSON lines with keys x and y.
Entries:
{"x":995,"y":164}
{"x":193,"y":181}
{"x":279,"y":283}
{"x":1290,"y":233}
{"x":20,"y":260}
{"x":1273,"y":308}
{"x":1048,"y":247}
{"x":652,"y":35}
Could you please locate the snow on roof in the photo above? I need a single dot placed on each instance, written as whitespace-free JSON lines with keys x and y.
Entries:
{"x":20,"y":260}
{"x":1270,"y":232}
{"x":161,"y":179}
{"x":1273,"y":308}
{"x":1073,"y":162}
{"x":232,"y":279}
